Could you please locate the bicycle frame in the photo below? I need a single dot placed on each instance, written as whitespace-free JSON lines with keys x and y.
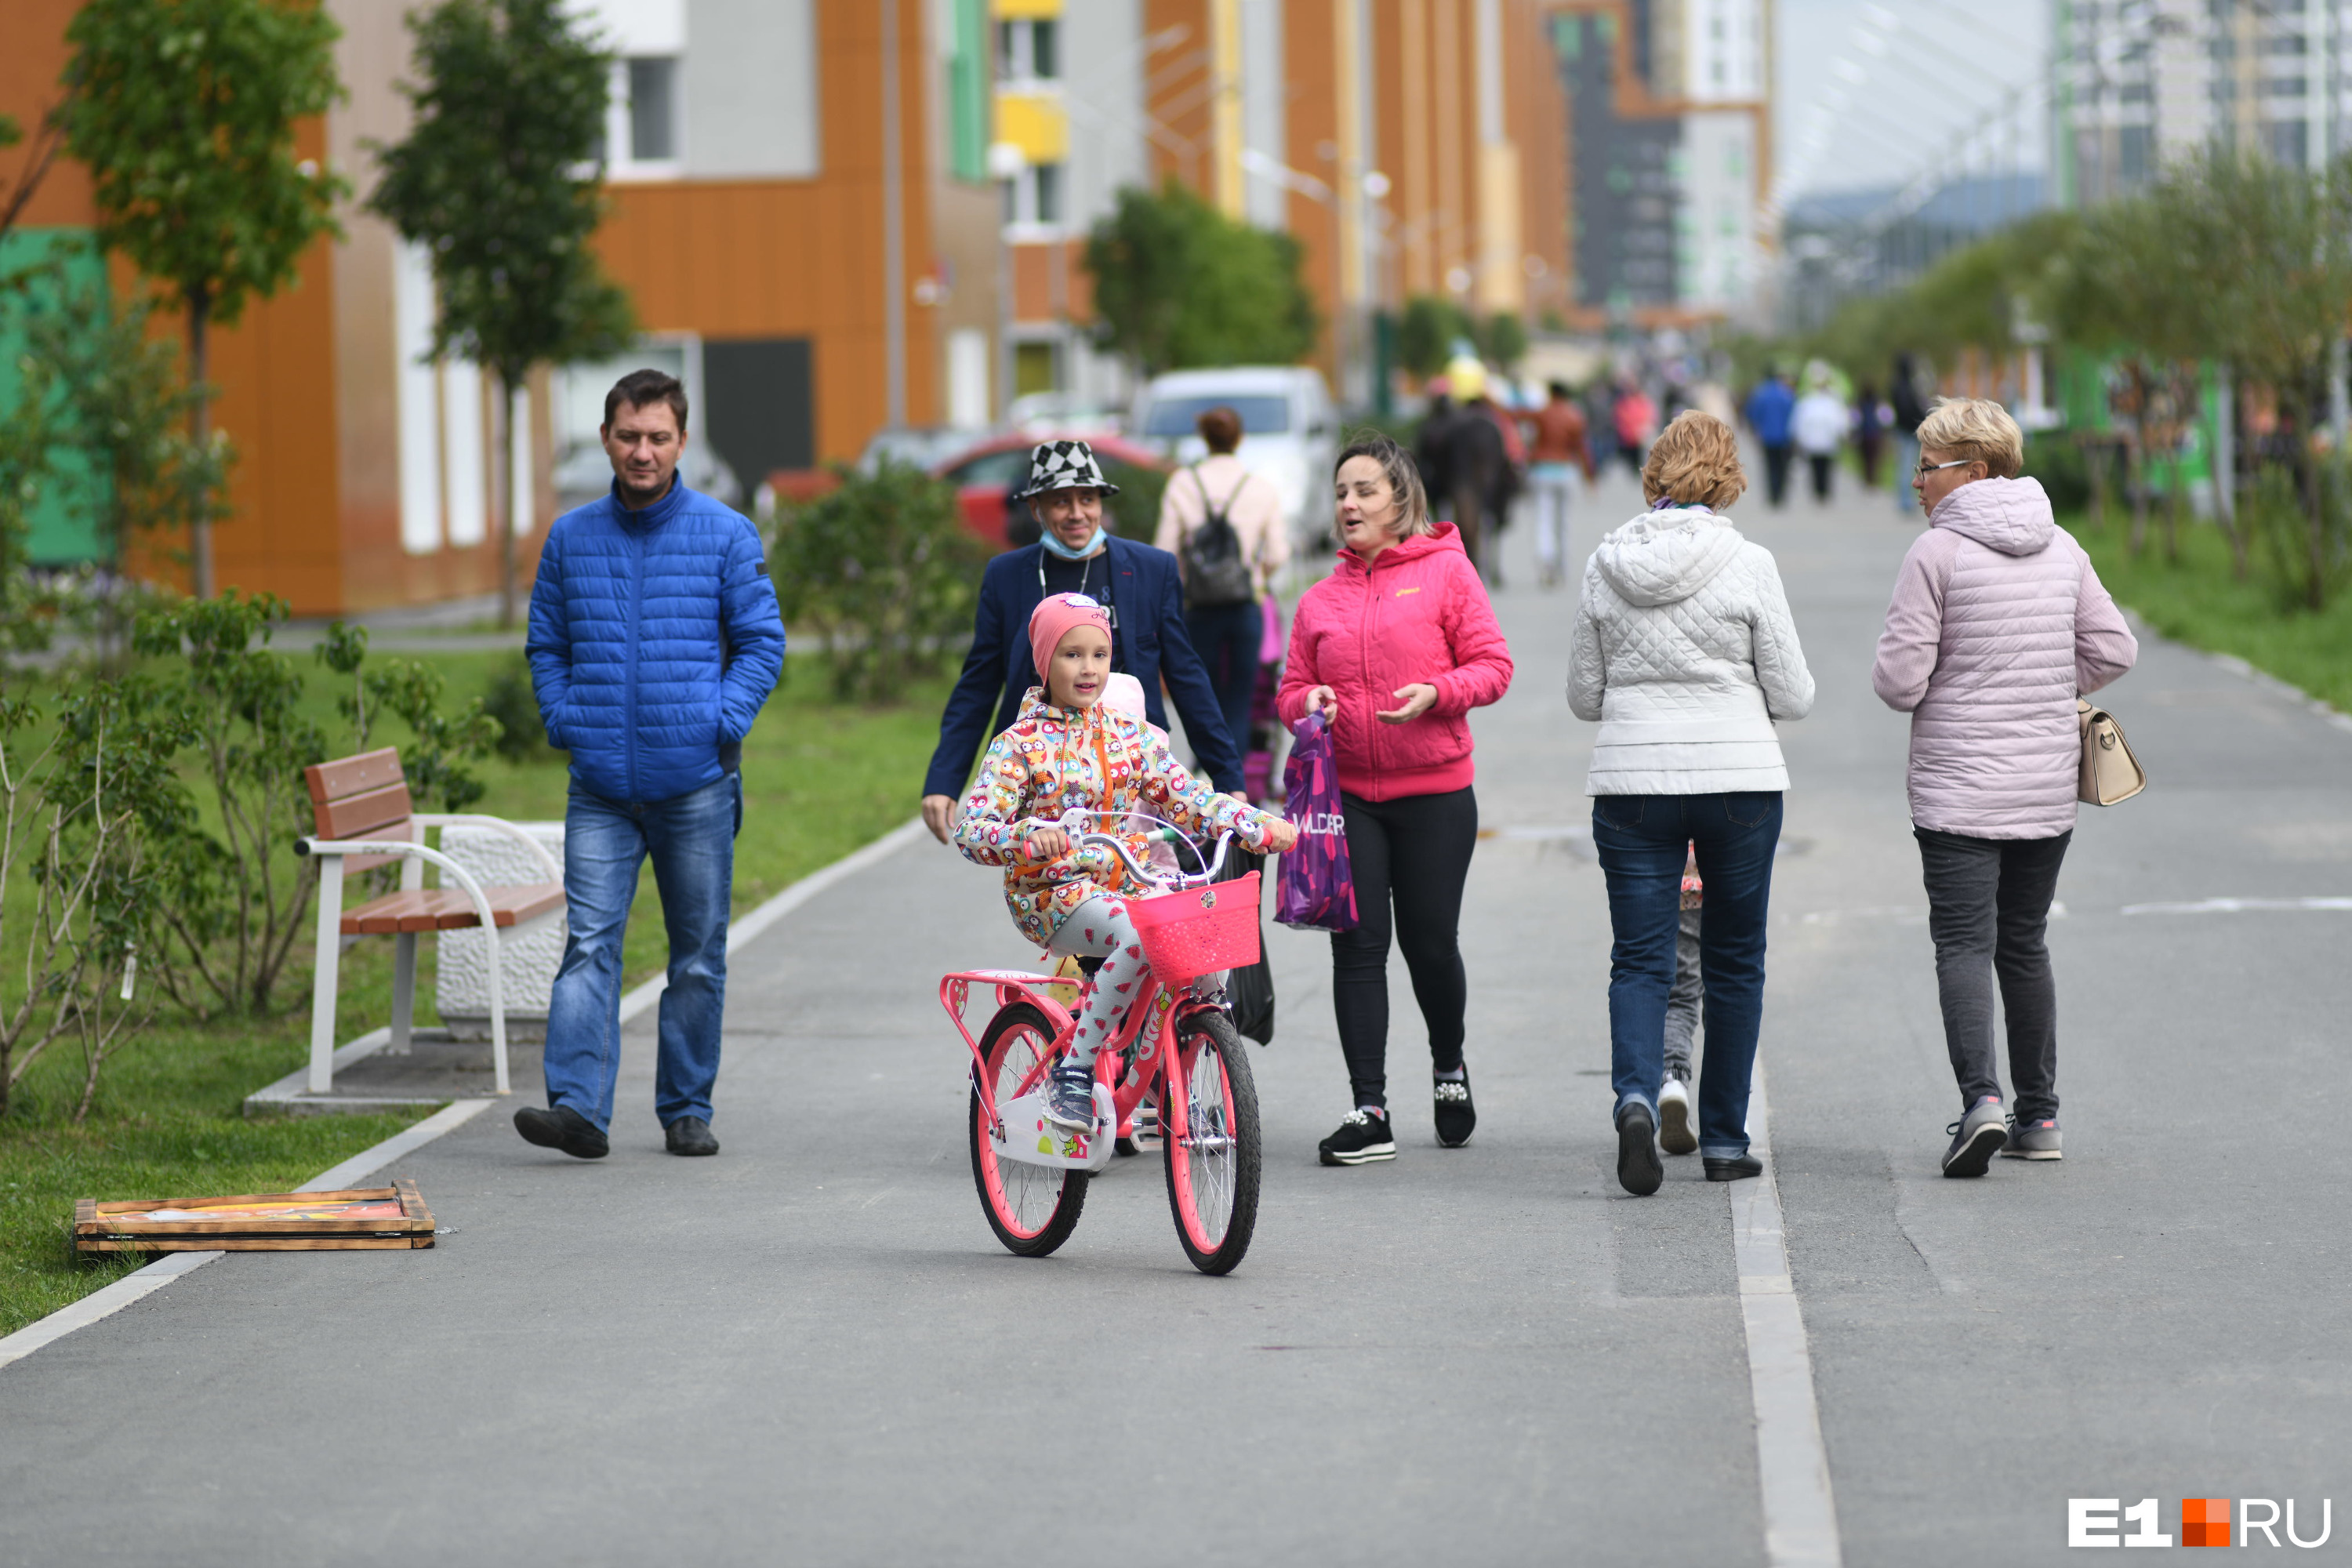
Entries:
{"x":1139,"y":1062}
{"x":1137,"y":1075}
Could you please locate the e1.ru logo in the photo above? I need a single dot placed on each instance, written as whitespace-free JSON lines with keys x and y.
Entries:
{"x":2204,"y":1521}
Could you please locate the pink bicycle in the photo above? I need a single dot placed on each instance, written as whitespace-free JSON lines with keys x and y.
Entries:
{"x":1179,"y":1048}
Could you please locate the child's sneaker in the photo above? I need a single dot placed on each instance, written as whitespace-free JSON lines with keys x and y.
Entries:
{"x":1070,"y":1098}
{"x":2034,"y":1141}
{"x":1675,"y":1134}
{"x":1976,"y":1137}
{"x":1363,"y":1137}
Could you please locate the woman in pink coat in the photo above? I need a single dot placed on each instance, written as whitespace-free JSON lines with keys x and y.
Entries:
{"x":1394,"y":649}
{"x":1998,"y":621}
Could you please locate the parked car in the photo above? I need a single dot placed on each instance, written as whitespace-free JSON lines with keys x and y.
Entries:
{"x":585,"y":472}
{"x":920,"y":445}
{"x":985,"y":474}
{"x":1290,"y":433}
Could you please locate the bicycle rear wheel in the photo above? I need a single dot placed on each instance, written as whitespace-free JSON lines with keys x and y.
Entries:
{"x":1032,"y":1208}
{"x":1213,"y":1170}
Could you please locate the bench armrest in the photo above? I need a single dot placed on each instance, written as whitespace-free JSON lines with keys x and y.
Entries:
{"x":470,"y":819}
{"x":332,"y":847}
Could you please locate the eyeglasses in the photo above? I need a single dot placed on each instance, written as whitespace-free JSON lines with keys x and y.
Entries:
{"x":1924,"y":469}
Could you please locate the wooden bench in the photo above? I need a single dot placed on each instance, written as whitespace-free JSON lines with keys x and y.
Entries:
{"x":365,"y":819}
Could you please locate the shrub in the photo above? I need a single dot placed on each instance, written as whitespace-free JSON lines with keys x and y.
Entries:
{"x":883,"y":572}
{"x":514,"y":703}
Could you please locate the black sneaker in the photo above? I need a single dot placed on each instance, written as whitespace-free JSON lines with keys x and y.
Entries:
{"x":1455,"y":1115}
{"x":689,"y":1135}
{"x":1976,"y":1137}
{"x":1639,"y":1171}
{"x":1737,"y":1169}
{"x":1363,"y":1137}
{"x":561,"y":1128}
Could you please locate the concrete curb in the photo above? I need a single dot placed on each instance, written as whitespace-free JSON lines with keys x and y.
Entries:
{"x":134,"y":1287}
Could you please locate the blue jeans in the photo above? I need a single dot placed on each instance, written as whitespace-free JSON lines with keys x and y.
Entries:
{"x":1642,"y":840}
{"x":691,"y":838}
{"x":1227,"y":639}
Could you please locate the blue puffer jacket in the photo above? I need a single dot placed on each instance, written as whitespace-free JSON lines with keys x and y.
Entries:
{"x":654,"y":639}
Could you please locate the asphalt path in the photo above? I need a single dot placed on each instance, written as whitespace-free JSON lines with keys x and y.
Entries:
{"x":809,"y":1350}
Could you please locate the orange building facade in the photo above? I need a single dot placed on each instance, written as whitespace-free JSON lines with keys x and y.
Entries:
{"x":753,"y":172}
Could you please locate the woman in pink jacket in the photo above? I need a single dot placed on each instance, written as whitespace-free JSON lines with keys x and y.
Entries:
{"x":1998,"y":621}
{"x":1394,"y":649}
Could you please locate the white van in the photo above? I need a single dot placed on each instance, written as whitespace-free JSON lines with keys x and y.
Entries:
{"x":1290,"y":433}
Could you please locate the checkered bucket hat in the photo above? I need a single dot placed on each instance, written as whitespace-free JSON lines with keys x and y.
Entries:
{"x":1064,"y":466}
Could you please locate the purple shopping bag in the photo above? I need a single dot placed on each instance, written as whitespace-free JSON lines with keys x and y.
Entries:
{"x":1317,"y":890}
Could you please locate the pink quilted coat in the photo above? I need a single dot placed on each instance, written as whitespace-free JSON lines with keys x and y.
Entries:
{"x":1417,"y":612}
{"x":1998,"y":621}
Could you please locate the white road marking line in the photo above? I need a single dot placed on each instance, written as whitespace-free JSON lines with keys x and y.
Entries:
{"x":2235,"y":906}
{"x":1792,"y":1467}
{"x":156,"y":1276}
{"x":756,"y":924}
{"x":136,"y":1286}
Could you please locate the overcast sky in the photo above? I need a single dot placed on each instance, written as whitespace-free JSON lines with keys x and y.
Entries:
{"x":1927,"y":70}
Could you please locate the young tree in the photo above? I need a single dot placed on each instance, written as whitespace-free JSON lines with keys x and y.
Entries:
{"x":1426,"y":333}
{"x":500,"y":178}
{"x":185,"y":112}
{"x":1178,"y":283}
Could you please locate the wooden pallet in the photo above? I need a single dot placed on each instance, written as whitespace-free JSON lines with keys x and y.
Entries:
{"x":129,"y":1227}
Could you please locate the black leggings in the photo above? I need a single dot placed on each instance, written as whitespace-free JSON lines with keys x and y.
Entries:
{"x":1413,"y":852}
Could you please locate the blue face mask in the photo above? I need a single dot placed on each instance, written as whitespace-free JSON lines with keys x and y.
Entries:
{"x":1054,"y":545}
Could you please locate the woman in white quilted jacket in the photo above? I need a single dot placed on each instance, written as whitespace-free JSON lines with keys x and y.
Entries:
{"x":1684,"y":651}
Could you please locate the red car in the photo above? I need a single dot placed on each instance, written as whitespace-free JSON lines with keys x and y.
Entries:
{"x":984,"y":475}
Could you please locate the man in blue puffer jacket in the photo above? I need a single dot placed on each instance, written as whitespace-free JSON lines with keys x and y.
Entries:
{"x":654,"y":639}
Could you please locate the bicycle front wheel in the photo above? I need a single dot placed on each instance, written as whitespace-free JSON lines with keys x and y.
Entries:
{"x":1032,"y":1208}
{"x":1213,"y":1170}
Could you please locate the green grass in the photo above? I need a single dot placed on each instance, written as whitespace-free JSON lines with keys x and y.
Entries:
{"x":820,"y":779}
{"x":2197,"y":601}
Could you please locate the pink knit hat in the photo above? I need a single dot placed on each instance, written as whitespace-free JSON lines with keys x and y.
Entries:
{"x":1056,"y":616}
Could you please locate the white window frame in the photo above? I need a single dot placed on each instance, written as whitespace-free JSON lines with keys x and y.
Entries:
{"x":620,"y":164}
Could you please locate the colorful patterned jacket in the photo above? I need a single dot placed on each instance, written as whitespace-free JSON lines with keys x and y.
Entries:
{"x":1056,"y":759}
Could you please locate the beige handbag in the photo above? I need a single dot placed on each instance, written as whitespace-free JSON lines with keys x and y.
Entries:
{"x":2110,"y":772}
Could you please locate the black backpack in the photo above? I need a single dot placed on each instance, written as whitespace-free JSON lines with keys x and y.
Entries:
{"x":1215,"y":574}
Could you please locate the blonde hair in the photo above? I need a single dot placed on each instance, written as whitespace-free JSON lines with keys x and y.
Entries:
{"x":1404,"y":480}
{"x":1695,"y":460}
{"x":1975,"y":430}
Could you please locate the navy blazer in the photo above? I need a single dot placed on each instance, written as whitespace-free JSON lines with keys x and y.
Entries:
{"x":1151,"y":642}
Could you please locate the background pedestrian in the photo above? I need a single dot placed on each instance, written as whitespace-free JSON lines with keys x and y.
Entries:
{"x":1556,"y":451}
{"x":1906,"y":404}
{"x":1998,"y":621}
{"x":1869,"y":431}
{"x":1770,"y":408}
{"x":654,"y":639}
{"x":1138,"y":585}
{"x":1394,"y":649}
{"x":1224,"y":526}
{"x":1687,"y":686}
{"x":1818,"y":427}
{"x":1636,"y":419}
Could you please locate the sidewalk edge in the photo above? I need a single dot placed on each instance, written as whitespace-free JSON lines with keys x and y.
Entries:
{"x":134,"y":1287}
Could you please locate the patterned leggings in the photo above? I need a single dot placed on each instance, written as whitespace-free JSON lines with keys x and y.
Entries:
{"x":1100,"y":928}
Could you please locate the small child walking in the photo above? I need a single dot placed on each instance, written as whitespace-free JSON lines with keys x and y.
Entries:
{"x":1676,"y":1135}
{"x":1070,"y":751}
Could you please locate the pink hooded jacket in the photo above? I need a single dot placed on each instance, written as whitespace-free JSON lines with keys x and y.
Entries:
{"x":1417,"y":612}
{"x":1998,"y":621}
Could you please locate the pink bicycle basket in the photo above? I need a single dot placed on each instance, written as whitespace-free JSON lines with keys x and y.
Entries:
{"x":1199,"y":931}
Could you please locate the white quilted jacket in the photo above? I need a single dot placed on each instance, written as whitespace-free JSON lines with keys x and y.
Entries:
{"x":1684,"y":650}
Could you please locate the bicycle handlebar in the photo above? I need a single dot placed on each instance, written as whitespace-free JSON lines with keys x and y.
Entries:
{"x":1166,"y":834}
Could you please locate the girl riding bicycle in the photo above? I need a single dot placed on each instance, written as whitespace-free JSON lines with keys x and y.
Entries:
{"x":1068,"y":752}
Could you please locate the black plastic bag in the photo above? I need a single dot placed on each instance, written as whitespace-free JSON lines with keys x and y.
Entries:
{"x":1250,"y":989}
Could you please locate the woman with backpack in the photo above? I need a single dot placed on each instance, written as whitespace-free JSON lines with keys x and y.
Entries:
{"x":1223,"y":525}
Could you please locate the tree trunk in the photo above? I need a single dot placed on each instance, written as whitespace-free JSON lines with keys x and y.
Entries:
{"x":2172,"y":512}
{"x":2094,"y":458}
{"x":502,"y":468}
{"x":2135,"y":481}
{"x":200,"y":430}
